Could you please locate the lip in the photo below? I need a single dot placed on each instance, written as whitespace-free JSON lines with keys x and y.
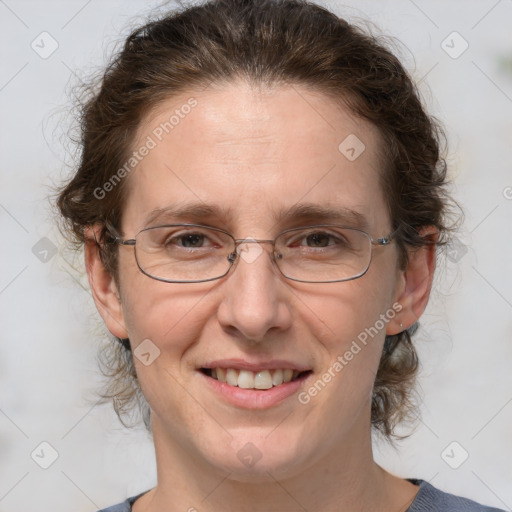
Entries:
{"x":254,"y":399}
{"x":254,"y":366}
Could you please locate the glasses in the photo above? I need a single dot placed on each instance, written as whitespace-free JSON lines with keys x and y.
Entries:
{"x":193,"y":253}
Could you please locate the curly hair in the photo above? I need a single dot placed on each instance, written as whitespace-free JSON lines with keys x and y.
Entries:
{"x":265,"y":42}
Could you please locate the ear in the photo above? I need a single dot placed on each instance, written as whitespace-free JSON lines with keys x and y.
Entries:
{"x":104,"y":289}
{"x":413,"y":290}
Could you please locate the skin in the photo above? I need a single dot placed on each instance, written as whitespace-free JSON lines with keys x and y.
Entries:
{"x":254,"y":151}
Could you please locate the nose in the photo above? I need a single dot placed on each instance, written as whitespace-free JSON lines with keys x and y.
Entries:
{"x":255,"y":300}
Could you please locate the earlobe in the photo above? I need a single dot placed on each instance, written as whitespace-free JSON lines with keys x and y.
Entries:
{"x":413,"y":291}
{"x":103,"y":286}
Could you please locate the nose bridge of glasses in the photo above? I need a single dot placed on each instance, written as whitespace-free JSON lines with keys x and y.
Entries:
{"x":249,"y":249}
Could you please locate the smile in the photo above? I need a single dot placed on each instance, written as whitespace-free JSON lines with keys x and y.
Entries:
{"x":261,"y":379}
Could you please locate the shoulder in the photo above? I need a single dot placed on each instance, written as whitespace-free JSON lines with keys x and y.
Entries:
{"x":125,"y":506}
{"x":431,"y":499}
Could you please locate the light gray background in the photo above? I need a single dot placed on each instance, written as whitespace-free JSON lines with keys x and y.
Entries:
{"x":50,"y":331}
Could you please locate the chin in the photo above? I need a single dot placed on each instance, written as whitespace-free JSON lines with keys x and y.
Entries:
{"x":260,"y":459}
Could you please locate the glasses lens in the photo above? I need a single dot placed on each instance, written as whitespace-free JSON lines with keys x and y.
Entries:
{"x":190,"y":253}
{"x":323,"y":253}
{"x":183,"y":253}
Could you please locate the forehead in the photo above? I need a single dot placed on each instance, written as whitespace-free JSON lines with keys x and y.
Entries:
{"x":252,"y":155}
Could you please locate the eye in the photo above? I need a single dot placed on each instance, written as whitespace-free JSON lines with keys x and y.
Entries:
{"x":189,"y":240}
{"x":319,"y":240}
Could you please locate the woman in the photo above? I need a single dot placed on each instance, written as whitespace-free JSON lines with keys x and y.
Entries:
{"x":260,"y":197}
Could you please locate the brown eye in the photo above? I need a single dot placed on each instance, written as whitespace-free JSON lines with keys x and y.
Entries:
{"x":318,"y":240}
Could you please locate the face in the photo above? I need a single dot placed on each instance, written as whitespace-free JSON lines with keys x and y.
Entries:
{"x":241,"y":159}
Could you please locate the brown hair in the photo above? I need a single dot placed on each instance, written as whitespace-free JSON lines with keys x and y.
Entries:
{"x":265,"y":42}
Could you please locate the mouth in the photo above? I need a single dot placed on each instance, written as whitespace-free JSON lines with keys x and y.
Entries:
{"x":256,"y":380}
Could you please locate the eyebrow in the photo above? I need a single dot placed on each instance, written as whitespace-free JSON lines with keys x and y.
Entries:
{"x":302,"y":212}
{"x":310,"y":212}
{"x":188,"y":211}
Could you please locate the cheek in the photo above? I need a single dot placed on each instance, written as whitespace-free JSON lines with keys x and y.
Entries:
{"x":341,"y":312}
{"x":145,"y":301}
{"x":165,"y":323}
{"x":170,"y":317}
{"x":165,"y":320}
{"x":348,"y":323}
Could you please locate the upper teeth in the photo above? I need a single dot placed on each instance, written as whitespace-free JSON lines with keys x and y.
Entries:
{"x":246,"y":379}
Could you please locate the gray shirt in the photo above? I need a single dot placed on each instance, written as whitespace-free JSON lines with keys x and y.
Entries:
{"x":428,"y":499}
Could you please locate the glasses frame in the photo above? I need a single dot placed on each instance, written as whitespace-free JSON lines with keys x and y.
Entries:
{"x":234,"y":256}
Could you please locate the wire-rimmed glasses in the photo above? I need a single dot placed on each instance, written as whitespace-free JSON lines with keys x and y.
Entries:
{"x":195,"y":253}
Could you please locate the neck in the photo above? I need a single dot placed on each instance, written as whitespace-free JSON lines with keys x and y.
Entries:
{"x":347,"y":479}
